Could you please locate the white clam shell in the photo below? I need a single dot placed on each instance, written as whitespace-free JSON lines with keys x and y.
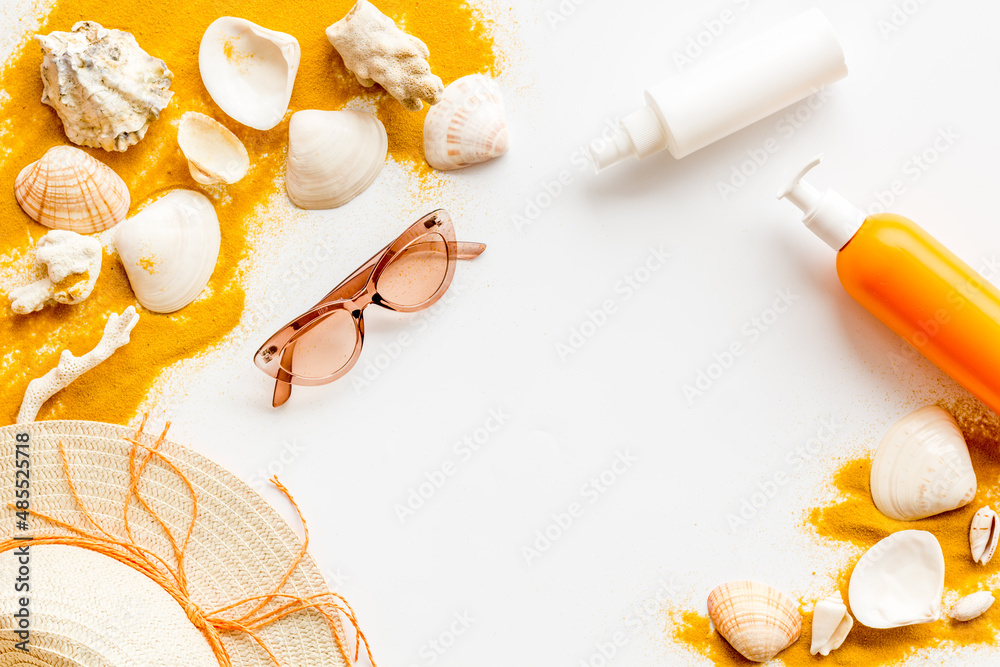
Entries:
{"x":248,"y":70}
{"x":333,"y":156}
{"x":467,"y":126}
{"x":922,"y":467}
{"x":899,"y":581}
{"x":214,"y":154}
{"x":757,"y":620}
{"x":972,"y":606}
{"x":830,"y":625}
{"x":983,"y":535}
{"x":169,"y":249}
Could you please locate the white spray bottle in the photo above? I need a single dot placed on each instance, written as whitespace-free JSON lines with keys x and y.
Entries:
{"x":738,"y":88}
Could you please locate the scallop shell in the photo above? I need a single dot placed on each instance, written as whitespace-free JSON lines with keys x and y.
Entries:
{"x":467,"y":126}
{"x":68,"y":189}
{"x":214,"y":154}
{"x":922,"y":467}
{"x":248,"y":70}
{"x":333,"y":156}
{"x":899,"y":581}
{"x":983,"y":535}
{"x":758,"y":621}
{"x":169,"y":249}
{"x":830,"y":625}
{"x":972,"y":606}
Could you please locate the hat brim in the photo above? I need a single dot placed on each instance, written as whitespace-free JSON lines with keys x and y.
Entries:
{"x":239,"y":546}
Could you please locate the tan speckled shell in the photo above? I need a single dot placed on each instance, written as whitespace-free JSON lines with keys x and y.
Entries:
{"x":68,"y":189}
{"x":758,"y":621}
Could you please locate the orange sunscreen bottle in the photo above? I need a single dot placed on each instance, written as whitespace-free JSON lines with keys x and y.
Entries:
{"x":911,"y":282}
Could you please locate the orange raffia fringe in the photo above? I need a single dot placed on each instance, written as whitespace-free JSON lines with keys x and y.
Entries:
{"x":213,"y":624}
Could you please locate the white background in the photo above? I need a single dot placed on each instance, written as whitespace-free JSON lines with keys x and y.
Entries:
{"x":663,"y":529}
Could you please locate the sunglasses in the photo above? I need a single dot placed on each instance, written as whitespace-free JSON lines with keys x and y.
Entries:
{"x":408,"y":275}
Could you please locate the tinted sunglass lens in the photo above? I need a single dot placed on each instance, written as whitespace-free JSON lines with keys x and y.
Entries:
{"x":322,"y":349}
{"x":416,"y":273}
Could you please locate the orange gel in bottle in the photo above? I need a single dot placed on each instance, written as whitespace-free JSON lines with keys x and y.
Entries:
{"x":916,"y":286}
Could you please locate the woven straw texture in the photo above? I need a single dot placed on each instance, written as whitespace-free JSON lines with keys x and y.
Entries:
{"x":240,"y":548}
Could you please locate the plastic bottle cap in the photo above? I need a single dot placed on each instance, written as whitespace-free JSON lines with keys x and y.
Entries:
{"x":828,"y":215}
{"x":607,"y":152}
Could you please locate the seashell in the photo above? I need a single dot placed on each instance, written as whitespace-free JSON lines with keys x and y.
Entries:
{"x":333,"y":156}
{"x":104,"y":87}
{"x":830,"y":625}
{"x":468,"y":126}
{"x":972,"y":606}
{"x":169,"y":249}
{"x":248,"y":70}
{"x":758,"y":621}
{"x":983,"y":535}
{"x":922,"y":467}
{"x":899,"y":581}
{"x":214,"y":154}
{"x":72,"y":264}
{"x":68,"y":189}
{"x":376,"y":51}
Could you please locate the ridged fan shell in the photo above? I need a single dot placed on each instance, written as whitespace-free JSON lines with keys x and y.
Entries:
{"x":68,"y":189}
{"x":333,"y":156}
{"x":169,"y":249}
{"x":467,"y":126}
{"x":922,"y":467}
{"x":756,"y":619}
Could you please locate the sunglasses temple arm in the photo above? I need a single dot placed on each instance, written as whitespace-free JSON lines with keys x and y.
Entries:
{"x":282,"y":383}
{"x":467,"y":250}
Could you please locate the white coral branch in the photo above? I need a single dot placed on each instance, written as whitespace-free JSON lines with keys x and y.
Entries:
{"x":69,"y":368}
{"x":376,"y":51}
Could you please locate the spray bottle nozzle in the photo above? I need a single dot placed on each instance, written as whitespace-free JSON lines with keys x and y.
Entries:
{"x":800,"y":193}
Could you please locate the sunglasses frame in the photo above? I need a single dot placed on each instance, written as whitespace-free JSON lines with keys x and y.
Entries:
{"x":353,"y":295}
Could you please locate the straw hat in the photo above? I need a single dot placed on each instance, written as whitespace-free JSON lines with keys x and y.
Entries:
{"x":112,"y":601}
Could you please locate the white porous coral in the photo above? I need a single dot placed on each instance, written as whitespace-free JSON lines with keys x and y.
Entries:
{"x":69,"y":368}
{"x":72,"y":263}
{"x":104,"y":87}
{"x":377,"y":51}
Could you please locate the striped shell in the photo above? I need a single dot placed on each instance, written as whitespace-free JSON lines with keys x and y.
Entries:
{"x":467,"y":126}
{"x":758,"y":621}
{"x":68,"y":189}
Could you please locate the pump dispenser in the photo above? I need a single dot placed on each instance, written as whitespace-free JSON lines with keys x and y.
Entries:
{"x":916,"y":286}
{"x":828,"y":215}
{"x":723,"y":95}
